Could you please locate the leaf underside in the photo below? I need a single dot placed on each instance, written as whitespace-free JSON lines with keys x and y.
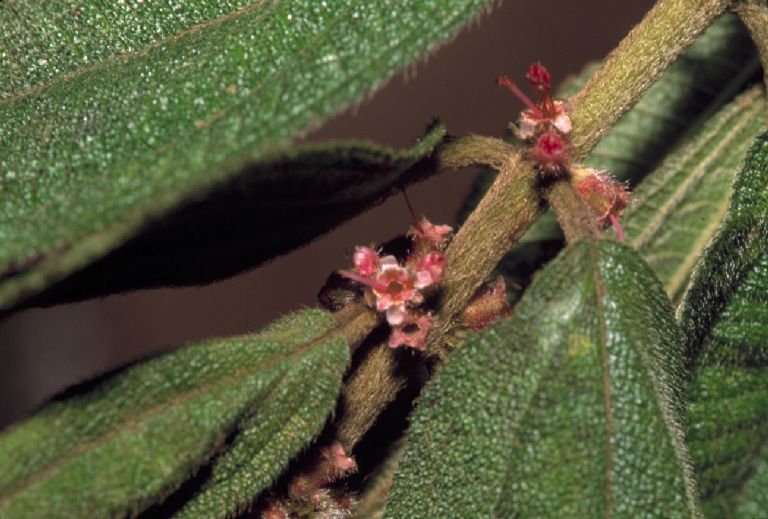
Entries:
{"x":724,"y":315}
{"x":118,"y":112}
{"x":115,"y":446}
{"x":567,"y":409}
{"x":680,"y":205}
{"x":273,"y":206}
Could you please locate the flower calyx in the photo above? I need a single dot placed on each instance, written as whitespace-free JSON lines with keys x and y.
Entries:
{"x":605,"y":196}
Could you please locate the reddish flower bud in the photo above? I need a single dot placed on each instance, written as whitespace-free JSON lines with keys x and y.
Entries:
{"x":539,"y":77}
{"x":489,"y":304}
{"x":275,"y":512}
{"x":550,"y":154}
{"x":366,"y":261}
{"x":605,"y":196}
{"x":430,"y":269}
{"x":336,"y":460}
{"x":424,"y":230}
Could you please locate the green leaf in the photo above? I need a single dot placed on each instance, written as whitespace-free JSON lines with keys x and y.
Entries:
{"x":681,"y":204}
{"x":753,"y":500}
{"x":114,"y":113}
{"x":711,"y":72}
{"x":567,"y":409}
{"x":122,"y":443}
{"x":279,"y":203}
{"x":724,"y":317}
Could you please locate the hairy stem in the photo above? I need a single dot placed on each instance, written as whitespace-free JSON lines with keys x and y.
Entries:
{"x":512,"y":203}
{"x":576,"y":219}
{"x":754,"y":14}
{"x":636,"y":64}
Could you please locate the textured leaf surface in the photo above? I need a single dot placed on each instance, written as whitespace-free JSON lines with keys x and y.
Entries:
{"x":567,"y":409}
{"x":278,"y":203}
{"x":118,"y":445}
{"x":116,"y":112}
{"x":681,"y":204}
{"x":714,"y":69}
{"x":725,"y":318}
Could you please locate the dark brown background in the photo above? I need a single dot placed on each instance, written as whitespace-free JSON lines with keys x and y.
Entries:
{"x":44,"y":350}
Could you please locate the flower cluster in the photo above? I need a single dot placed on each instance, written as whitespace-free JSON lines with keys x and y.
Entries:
{"x":545,"y":123}
{"x":397,"y":289}
{"x":310,"y":491}
{"x":545,"y":126}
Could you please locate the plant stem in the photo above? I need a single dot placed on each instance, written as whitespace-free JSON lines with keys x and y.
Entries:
{"x":512,"y":203}
{"x":575,"y":218}
{"x":635,"y":65}
{"x":754,"y":14}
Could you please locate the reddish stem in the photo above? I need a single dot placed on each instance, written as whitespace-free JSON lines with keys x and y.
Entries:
{"x":615,"y":222}
{"x":410,"y":209}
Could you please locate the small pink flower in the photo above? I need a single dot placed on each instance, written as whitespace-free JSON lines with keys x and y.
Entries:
{"x":531,"y":123}
{"x":412,"y":332}
{"x":550,"y":154}
{"x":275,"y":512}
{"x":337,"y":460}
{"x":430,"y":269}
{"x":548,"y":113}
{"x":425,"y":230}
{"x":366,"y":261}
{"x":605,"y":196}
{"x":394,"y":286}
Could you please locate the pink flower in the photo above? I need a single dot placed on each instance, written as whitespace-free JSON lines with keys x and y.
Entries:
{"x":532,"y":122}
{"x":337,"y":460}
{"x":412,"y":332}
{"x":275,"y":512}
{"x":430,"y":269}
{"x":392,"y":286}
{"x":605,"y":196}
{"x":550,"y":154}
{"x":546,"y":115}
{"x":425,"y":230}
{"x":366,"y":261}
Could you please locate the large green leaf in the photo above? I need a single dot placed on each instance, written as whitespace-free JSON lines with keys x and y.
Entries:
{"x":681,"y":204}
{"x":120,"y":444}
{"x":112,"y":113}
{"x":724,"y":315}
{"x":567,"y":409}
{"x":279,"y":203}
{"x":714,"y":69}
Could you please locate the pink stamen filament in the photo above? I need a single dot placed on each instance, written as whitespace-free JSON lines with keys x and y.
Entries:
{"x":615,"y":222}
{"x":505,"y":81}
{"x":376,"y":285}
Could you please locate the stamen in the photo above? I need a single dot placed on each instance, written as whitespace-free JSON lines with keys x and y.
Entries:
{"x":376,"y":285}
{"x":615,"y":222}
{"x":506,"y":82}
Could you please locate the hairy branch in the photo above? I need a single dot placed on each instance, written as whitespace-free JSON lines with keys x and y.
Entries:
{"x":754,"y":14}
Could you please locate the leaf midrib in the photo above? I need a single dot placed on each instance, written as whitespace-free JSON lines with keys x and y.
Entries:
{"x":54,"y":465}
{"x":127,"y":56}
{"x":607,"y":382}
